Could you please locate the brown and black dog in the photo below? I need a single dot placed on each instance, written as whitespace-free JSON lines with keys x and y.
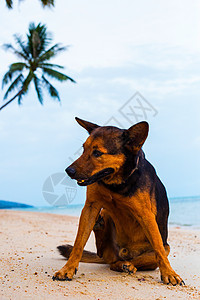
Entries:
{"x":126,"y":205}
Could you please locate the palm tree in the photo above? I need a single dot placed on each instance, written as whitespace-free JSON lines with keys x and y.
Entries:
{"x":34,"y":65}
{"x":9,"y":3}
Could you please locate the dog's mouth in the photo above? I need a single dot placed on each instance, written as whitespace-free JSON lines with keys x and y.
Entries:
{"x":96,"y":177}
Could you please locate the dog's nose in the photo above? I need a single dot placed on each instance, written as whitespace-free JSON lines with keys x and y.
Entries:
{"x":70,"y":171}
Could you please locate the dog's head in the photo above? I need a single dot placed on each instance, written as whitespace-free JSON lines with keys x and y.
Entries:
{"x":107,"y":152}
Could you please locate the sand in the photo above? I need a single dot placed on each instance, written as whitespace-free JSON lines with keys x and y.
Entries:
{"x":29,"y":258}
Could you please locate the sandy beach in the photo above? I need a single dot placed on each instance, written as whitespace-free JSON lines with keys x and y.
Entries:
{"x":29,"y":258}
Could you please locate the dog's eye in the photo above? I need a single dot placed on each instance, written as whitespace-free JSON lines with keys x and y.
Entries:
{"x":97,"y":153}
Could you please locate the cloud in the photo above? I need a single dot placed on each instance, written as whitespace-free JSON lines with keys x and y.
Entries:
{"x":111,"y":34}
{"x":160,"y":87}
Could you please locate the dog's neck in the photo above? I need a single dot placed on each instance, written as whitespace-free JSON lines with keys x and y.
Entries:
{"x":118,"y":181}
{"x":136,"y":168}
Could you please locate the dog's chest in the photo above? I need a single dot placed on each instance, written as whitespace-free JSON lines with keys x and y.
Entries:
{"x":122,"y":215}
{"x":128,"y":230}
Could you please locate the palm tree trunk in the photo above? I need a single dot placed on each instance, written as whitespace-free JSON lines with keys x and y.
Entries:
{"x":18,"y":94}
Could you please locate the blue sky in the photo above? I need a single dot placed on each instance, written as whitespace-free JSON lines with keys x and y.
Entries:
{"x":116,"y":49}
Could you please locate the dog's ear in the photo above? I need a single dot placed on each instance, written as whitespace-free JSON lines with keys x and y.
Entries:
{"x":136,"y":136}
{"x":87,"y":125}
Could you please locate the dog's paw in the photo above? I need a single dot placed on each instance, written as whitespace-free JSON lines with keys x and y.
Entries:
{"x":123,"y":266}
{"x":64,"y":274}
{"x":129,"y":268}
{"x":171,"y":277}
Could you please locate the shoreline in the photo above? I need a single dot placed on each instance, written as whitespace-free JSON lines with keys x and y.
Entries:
{"x":75,"y":211}
{"x":29,"y":259}
{"x":59,"y":213}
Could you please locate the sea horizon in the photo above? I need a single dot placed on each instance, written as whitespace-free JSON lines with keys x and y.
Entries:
{"x":183,"y":210}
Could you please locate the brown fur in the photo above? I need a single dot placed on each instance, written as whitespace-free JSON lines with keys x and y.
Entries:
{"x":125,"y":227}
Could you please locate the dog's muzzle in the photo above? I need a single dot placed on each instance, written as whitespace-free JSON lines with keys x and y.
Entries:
{"x":70,"y":171}
{"x":96,"y":177}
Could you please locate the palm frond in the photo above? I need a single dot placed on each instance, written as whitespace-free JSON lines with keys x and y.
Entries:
{"x":15,"y":67}
{"x":9,"y":3}
{"x":50,"y":65}
{"x":38,"y":39}
{"x":22,"y":45}
{"x":15,"y":51}
{"x":51,"y":89}
{"x":47,"y":3}
{"x":27,"y":82}
{"x":57,"y":75}
{"x":14,"y":85}
{"x":20,"y":98}
{"x":38,"y":89}
{"x":25,"y":86}
{"x":19,"y":66}
{"x":52,"y":52}
{"x":6,"y":78}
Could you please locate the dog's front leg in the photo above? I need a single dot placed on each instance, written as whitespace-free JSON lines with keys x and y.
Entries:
{"x":86,"y":224}
{"x":141,"y":206}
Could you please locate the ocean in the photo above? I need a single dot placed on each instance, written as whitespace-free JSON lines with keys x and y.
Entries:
{"x":184,"y":211}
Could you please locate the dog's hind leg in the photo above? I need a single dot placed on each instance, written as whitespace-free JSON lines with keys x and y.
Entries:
{"x":143,"y":262}
{"x":105,"y":234}
{"x":147,"y":260}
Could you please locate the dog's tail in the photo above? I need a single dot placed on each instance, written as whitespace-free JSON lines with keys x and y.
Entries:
{"x":87,"y":256}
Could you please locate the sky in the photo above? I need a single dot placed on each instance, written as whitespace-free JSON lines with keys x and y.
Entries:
{"x":132,"y":61}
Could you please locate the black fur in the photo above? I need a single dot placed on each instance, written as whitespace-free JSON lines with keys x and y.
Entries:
{"x":144,"y":177}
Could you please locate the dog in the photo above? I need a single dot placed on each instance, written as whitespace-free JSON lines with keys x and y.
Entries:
{"x":126,"y":205}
